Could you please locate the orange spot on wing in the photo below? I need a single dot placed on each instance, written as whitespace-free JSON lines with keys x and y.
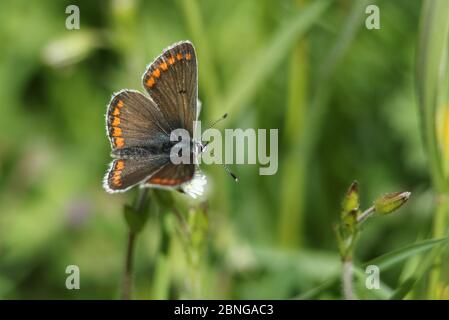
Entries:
{"x":156,"y":73}
{"x":171,"y":60}
{"x":115,"y":121}
{"x":120,"y":165}
{"x":117,"y":132}
{"x":188,"y":56}
{"x":119,"y":142}
{"x":150,"y":82}
{"x":116,"y":178}
{"x":164,"y":66}
{"x":179,"y":56}
{"x":165,"y":181}
{"x":120,"y":103}
{"x":116,"y":112}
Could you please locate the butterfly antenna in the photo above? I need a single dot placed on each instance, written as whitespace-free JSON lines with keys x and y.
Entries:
{"x":236,"y":179}
{"x":218,"y":120}
{"x":204,"y":144}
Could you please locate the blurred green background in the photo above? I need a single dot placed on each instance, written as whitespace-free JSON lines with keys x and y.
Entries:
{"x":343,"y":98}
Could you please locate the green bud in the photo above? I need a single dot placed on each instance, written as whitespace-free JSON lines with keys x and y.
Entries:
{"x":135,"y":220}
{"x":351,"y":200}
{"x":391,"y":202}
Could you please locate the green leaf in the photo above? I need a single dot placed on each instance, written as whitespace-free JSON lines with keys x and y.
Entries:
{"x":383,"y":262}
{"x":391,"y":258}
{"x":360,"y":276}
{"x":426,"y":262}
{"x":335,"y":280}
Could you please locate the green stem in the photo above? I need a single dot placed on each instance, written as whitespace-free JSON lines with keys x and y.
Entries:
{"x":127,"y":277}
{"x":365,"y":215}
{"x":290,"y":227}
{"x":347,"y":277}
{"x":439,"y":231}
{"x":139,"y":206}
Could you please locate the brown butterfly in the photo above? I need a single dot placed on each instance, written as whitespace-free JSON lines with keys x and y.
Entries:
{"x":139,"y":126}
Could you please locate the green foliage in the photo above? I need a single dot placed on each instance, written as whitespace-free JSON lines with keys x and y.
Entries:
{"x":390,"y":259}
{"x":432,"y":79}
{"x":344,"y":101}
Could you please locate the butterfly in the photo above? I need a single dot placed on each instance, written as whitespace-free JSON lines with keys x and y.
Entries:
{"x":139,"y":126}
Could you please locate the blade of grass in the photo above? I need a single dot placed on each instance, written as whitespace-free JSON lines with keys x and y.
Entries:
{"x":384,"y":262}
{"x":265,"y":62}
{"x":409,"y":283}
{"x":431,"y":61}
{"x":297,"y":160}
{"x":207,"y":77}
{"x":385,"y":291}
{"x":431,"y":68}
{"x":392,"y":258}
{"x":291,"y":225}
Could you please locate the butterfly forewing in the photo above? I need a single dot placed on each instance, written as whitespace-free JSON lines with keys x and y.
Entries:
{"x":134,"y":120}
{"x":171,"y":81}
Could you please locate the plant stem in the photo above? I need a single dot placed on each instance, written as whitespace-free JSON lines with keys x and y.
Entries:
{"x":439,"y":230}
{"x":127,"y":277}
{"x":347,"y":268}
{"x":346,"y":276}
{"x":292,"y":197}
{"x":139,"y":206}
{"x":365,"y":215}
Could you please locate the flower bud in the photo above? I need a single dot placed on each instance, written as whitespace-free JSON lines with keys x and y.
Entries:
{"x":351,"y":199}
{"x":391,"y":202}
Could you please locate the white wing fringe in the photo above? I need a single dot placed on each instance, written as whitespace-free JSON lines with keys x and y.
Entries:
{"x":195,"y":187}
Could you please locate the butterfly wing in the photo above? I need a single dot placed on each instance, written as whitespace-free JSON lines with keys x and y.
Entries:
{"x":172,"y":175}
{"x":172,"y":82}
{"x":126,"y":173}
{"x":133,"y":120}
{"x":135,"y":130}
{"x":138,"y":126}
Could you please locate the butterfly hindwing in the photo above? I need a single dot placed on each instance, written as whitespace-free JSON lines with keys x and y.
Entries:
{"x":125,"y":173}
{"x":171,"y":81}
{"x":172,"y":175}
